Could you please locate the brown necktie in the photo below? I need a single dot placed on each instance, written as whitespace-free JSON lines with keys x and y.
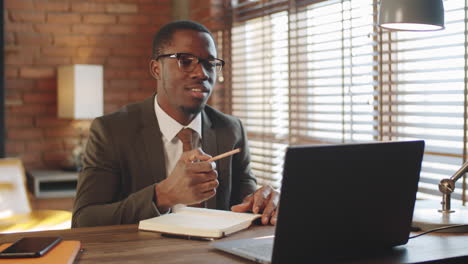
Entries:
{"x":186,"y":135}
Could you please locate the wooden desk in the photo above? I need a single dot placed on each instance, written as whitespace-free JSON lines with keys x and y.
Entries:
{"x":125,"y":244}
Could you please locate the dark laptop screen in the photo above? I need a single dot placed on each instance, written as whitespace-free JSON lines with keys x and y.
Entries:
{"x":339,"y":200}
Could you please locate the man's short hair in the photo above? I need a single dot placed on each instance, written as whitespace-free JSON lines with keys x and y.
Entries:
{"x":164,"y":35}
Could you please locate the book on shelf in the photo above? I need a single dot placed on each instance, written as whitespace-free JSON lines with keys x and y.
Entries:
{"x":199,"y":222}
{"x":65,"y":252}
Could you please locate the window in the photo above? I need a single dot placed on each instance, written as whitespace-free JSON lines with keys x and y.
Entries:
{"x":323,"y":72}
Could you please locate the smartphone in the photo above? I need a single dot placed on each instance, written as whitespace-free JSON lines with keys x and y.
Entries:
{"x":30,"y":247}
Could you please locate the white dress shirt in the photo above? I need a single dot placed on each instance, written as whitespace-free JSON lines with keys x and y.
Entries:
{"x":169,"y":129}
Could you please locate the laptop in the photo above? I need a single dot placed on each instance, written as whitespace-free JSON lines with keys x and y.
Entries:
{"x":340,"y":202}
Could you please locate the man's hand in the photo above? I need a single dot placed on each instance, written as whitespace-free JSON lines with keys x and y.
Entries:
{"x":264,"y":200}
{"x":192,"y":181}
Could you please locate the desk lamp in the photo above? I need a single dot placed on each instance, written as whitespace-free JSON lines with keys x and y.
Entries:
{"x":80,"y":97}
{"x":426,"y":15}
{"x":411,"y":15}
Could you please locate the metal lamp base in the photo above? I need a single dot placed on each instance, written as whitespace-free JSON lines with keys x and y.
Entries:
{"x":426,"y":216}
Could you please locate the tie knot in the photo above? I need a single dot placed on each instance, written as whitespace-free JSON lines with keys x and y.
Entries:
{"x":186,"y":136}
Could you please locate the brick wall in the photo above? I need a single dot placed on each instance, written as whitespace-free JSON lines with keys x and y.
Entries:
{"x":214,"y":15}
{"x":41,"y":35}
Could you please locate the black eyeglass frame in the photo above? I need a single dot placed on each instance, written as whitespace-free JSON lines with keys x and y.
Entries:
{"x":214,"y":62}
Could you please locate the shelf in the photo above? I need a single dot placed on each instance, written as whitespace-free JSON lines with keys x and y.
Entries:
{"x":53,"y":183}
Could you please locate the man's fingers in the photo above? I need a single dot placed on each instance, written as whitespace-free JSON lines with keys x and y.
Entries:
{"x":194,"y":155}
{"x":245,"y":206}
{"x":271,"y":205}
{"x":259,"y":199}
{"x":274,"y":217}
{"x":207,"y":186}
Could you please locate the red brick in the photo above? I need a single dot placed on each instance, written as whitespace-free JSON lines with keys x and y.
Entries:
{"x":33,"y":39}
{"x":14,"y":147}
{"x":9,"y":38}
{"x":89,"y":29}
{"x":52,"y":61}
{"x":148,"y":84}
{"x":37,"y":72}
{"x":109,"y":108}
{"x":155,"y":9}
{"x":105,"y":41}
{"x":89,"y":60}
{"x":19,"y":4}
{"x":19,"y":85}
{"x":122,"y":8}
{"x":58,"y":51}
{"x":57,"y":6}
{"x":99,"y":19}
{"x":139,"y":95}
{"x":32,"y":160}
{"x":88,"y":7}
{"x":52,"y":28}
{"x":13,"y":99}
{"x":116,"y":96}
{"x":27,"y":16}
{"x":52,"y":121}
{"x":123,"y":84}
{"x":18,"y":121}
{"x":56,"y":156}
{"x":61,"y":132}
{"x":122,"y":29}
{"x":40,"y":97}
{"x":24,"y":133}
{"x":71,"y":40}
{"x":143,"y":42}
{"x":65,"y":18}
{"x":93,"y":51}
{"x":20,"y":60}
{"x":46,"y":85}
{"x":18,"y":27}
{"x":139,"y":74}
{"x":42,"y":146}
{"x":126,"y":51}
{"x":11,"y":73}
{"x":136,"y":19}
{"x":122,"y":62}
{"x":112,"y":73}
{"x":28,"y":110}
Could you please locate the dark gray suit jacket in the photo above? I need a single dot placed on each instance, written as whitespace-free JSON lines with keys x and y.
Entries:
{"x":124,"y":159}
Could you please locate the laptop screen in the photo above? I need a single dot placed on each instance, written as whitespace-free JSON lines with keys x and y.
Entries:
{"x":340,"y":200}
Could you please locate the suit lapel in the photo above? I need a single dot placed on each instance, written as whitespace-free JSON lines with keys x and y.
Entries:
{"x":151,"y":138}
{"x":209,"y":146}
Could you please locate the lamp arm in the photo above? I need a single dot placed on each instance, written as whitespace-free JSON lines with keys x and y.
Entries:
{"x":447,"y":186}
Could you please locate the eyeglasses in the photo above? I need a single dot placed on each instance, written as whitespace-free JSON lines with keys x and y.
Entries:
{"x":187,"y":62}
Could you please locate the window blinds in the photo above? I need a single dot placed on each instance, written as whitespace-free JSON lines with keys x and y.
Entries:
{"x":323,"y":72}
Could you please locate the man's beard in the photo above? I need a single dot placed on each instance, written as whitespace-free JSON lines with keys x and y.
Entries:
{"x":193,"y":110}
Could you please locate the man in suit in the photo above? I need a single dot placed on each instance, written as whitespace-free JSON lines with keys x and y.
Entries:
{"x":137,"y":163}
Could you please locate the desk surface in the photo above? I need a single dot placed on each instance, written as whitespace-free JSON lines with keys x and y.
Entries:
{"x":125,"y":244}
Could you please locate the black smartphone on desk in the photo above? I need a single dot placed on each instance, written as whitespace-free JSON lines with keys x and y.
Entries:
{"x":30,"y":247}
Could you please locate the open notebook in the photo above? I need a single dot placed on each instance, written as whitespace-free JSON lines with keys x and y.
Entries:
{"x":340,"y":201}
{"x":199,"y":222}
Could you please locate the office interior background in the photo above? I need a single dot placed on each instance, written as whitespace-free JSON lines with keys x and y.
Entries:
{"x":298,"y":72}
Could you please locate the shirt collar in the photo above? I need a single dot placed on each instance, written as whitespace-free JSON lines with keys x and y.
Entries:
{"x":170,"y":127}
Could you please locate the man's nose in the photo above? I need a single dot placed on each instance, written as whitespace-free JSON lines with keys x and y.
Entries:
{"x":200,"y":72}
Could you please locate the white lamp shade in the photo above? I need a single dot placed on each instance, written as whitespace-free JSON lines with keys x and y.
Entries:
{"x":80,"y":91}
{"x":411,"y":15}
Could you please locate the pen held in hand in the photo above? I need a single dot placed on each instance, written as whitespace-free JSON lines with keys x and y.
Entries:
{"x":226,"y":154}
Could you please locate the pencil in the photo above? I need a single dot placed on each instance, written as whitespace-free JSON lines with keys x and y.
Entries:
{"x":226,"y":154}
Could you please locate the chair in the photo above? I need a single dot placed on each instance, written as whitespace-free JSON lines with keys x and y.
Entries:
{"x":15,"y":211}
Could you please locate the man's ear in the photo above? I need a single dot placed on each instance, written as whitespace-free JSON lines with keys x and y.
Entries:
{"x":155,"y":69}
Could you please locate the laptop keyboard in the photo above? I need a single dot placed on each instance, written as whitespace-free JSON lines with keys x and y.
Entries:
{"x":260,"y":250}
